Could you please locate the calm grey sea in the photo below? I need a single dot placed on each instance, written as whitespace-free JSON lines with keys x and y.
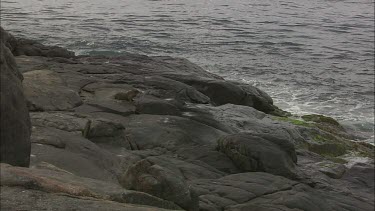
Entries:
{"x":311,"y":56}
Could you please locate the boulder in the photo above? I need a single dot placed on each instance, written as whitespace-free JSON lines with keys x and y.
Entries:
{"x":153,"y":179}
{"x":15,"y":120}
{"x":255,"y":153}
{"x":258,"y":99}
{"x":223,"y":92}
{"x":219,"y":91}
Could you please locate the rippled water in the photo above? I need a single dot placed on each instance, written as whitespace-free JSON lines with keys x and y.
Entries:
{"x":311,"y":56}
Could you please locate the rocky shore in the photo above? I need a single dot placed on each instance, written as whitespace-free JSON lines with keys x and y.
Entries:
{"x":135,"y":132}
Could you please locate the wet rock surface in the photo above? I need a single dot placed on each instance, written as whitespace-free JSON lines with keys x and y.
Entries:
{"x":135,"y":132}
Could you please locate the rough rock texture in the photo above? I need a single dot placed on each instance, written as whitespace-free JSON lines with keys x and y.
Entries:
{"x":135,"y":132}
{"x":22,"y":46}
{"x":262,"y":191}
{"x":15,"y":120}
{"x":153,"y":179}
{"x":254,"y":153}
{"x":70,"y":191}
{"x":46,"y":91}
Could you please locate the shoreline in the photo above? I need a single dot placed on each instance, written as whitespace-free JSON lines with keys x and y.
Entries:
{"x":139,"y":132}
{"x":354,"y":123}
{"x":361,"y":127}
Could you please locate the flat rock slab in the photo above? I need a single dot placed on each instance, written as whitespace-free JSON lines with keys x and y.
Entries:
{"x":71,"y":192}
{"x":261,"y":191}
{"x":46,"y":91}
{"x":25,"y":200}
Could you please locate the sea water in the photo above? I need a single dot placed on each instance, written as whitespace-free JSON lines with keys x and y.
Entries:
{"x":311,"y":56}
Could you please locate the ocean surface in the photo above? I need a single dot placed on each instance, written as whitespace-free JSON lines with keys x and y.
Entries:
{"x":311,"y":56}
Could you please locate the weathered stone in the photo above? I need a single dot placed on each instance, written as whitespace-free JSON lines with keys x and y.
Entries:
{"x":254,"y":153}
{"x":331,"y":169}
{"x":55,"y":180}
{"x":15,"y":120}
{"x":102,"y":130}
{"x":153,"y":179}
{"x":263,"y":191}
{"x":73,"y":153}
{"x":46,"y":91}
{"x":170,"y":132}
{"x":152,"y":105}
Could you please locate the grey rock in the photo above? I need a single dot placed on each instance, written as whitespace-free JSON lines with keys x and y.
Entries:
{"x":153,"y":179}
{"x":67,"y":121}
{"x":46,"y":91}
{"x":239,"y":118}
{"x":187,"y":169}
{"x":254,"y":153}
{"x":32,"y":48}
{"x":141,"y":198}
{"x":72,"y":152}
{"x":361,"y":176}
{"x":153,"y":105}
{"x":333,"y":170}
{"x":26,"y":201}
{"x":81,"y":193}
{"x":103,"y":130}
{"x":170,"y":132}
{"x":258,"y":99}
{"x":15,"y":120}
{"x":262,"y":191}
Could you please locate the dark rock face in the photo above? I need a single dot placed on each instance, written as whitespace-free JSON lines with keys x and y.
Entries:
{"x":147,"y":177}
{"x":254,"y":153}
{"x":140,"y":133}
{"x":15,"y":121}
{"x":152,"y":105}
{"x":32,"y":48}
{"x":223,"y":92}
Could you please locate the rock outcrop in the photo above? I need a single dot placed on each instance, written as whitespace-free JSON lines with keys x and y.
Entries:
{"x":23,"y":46}
{"x":136,"y":132}
{"x":15,"y":121}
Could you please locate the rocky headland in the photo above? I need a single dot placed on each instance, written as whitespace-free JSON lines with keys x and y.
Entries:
{"x":135,"y":132}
